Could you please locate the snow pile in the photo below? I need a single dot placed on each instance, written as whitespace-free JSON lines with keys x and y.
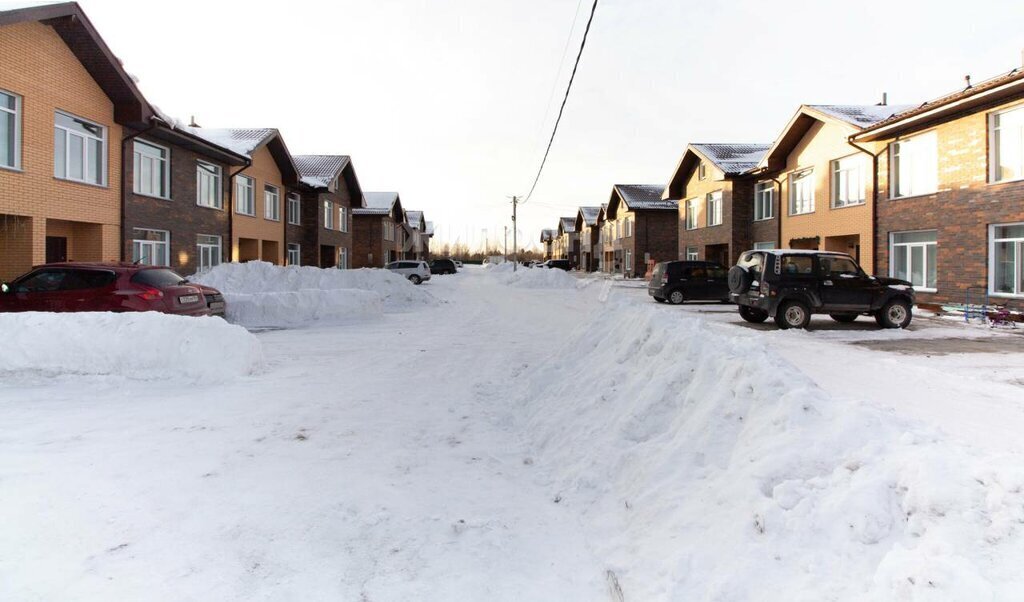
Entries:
{"x":258,"y":293}
{"x":534,"y":277}
{"x":145,"y":346}
{"x":711,"y":469}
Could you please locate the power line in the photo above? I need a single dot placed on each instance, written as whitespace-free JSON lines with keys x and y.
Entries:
{"x":561,"y":63}
{"x":561,"y":109}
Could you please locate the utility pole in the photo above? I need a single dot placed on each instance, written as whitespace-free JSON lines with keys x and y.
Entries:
{"x":515,"y":247}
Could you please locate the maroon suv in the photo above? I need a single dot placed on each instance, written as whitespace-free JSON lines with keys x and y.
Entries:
{"x":75,"y":286}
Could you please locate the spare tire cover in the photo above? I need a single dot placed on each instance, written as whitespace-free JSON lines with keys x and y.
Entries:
{"x":739,"y":279}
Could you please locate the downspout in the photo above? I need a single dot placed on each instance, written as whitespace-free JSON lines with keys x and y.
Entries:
{"x":124,"y":193}
{"x":231,"y":208}
{"x":874,"y":200}
{"x":778,"y":225}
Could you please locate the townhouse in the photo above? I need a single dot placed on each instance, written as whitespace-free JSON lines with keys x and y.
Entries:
{"x":589,"y":232}
{"x":319,"y":216}
{"x":417,"y":242}
{"x":643,"y":227}
{"x":722,"y":210}
{"x":950,"y":187}
{"x":65,"y":102}
{"x":377,"y":230}
{"x":547,"y":239}
{"x":567,"y":241}
{"x":824,"y":180}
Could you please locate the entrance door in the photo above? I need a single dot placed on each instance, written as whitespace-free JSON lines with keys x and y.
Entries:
{"x":56,"y":249}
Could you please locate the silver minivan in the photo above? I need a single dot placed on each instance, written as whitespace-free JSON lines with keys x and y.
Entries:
{"x":415,"y":271}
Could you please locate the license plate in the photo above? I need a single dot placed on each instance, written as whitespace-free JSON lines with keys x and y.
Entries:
{"x":184,"y":299}
{"x":217,"y":306}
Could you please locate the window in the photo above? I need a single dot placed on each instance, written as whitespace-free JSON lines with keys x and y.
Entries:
{"x":1006,"y":142}
{"x":714,"y":200}
{"x":343,"y":259}
{"x":328,"y":215}
{"x":760,"y":246}
{"x":914,"y":165}
{"x":152,"y":169}
{"x":691,"y":254}
{"x":913,"y":258}
{"x":848,"y":181}
{"x":245,"y":195}
{"x":10,"y":130}
{"x":294,"y":209}
{"x":343,"y":218}
{"x":801,"y":192}
{"x":629,"y":261}
{"x":271,"y":203}
{"x":79,"y":150}
{"x":151,"y":247}
{"x":838,"y":267}
{"x":208,"y":251}
{"x":627,"y":225}
{"x":764,"y":200}
{"x":797,"y":265}
{"x":389,"y":231}
{"x":692,"y":207}
{"x":293,"y":254}
{"x":1006,"y":248}
{"x":208,"y":189}
{"x":702,"y":171}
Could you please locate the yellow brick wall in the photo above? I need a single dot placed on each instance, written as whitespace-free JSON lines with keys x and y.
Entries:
{"x":265,"y":171}
{"x":824,"y":142}
{"x":36,"y":65}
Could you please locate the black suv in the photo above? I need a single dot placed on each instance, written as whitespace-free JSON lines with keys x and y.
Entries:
{"x":790,"y":285}
{"x":561,"y":264}
{"x":442,"y":266}
{"x":678,"y":281}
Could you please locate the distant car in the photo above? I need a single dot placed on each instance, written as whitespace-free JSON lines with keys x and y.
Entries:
{"x":789,"y":285}
{"x":415,"y":271}
{"x":679,"y":281}
{"x":458,"y":263}
{"x":117,"y":287}
{"x":560,"y":264}
{"x":443,"y":266}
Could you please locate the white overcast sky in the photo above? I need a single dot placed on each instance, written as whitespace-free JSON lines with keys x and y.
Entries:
{"x":450,"y":101}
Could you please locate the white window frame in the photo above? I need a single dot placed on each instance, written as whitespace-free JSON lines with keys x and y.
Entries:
{"x":213,"y":250}
{"x":692,"y":253}
{"x":629,"y":261}
{"x":765,"y":208}
{"x":801,"y":180}
{"x":692,"y":205}
{"x":760,"y":246}
{"x":627,"y":226}
{"x":68,"y":134}
{"x":1018,"y":262}
{"x":245,"y":191}
{"x":848,"y":183}
{"x":139,"y":243}
{"x":702,"y":171}
{"x":210,"y":176}
{"x":293,"y":253}
{"x":141,"y":156}
{"x":926,"y":253}
{"x":343,"y":258}
{"x":271,"y":203}
{"x":910,"y":150}
{"x":294,"y":209}
{"x":328,"y":211}
{"x":714,"y":208}
{"x":342,"y":218}
{"x":15,"y":132}
{"x":993,"y":131}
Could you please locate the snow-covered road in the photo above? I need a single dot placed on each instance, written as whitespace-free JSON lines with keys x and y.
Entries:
{"x":514,"y":443}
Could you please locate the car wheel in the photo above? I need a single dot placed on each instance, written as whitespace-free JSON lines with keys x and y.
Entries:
{"x":793,"y":314}
{"x":894,"y":314}
{"x":676,"y":297}
{"x":845,"y":318}
{"x":415,"y":279}
{"x":753,"y":315}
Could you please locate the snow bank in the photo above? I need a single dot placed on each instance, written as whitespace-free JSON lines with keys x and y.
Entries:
{"x":709,"y":468}
{"x":534,"y":277}
{"x":258,"y":293}
{"x":134,"y":345}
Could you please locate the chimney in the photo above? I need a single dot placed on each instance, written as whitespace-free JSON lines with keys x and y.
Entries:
{"x":885,"y":99}
{"x":967,"y":78}
{"x":192,"y":121}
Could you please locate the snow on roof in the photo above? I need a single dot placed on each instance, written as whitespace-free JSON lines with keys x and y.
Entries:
{"x":861,"y":116}
{"x":415,"y":217}
{"x":380,"y":200}
{"x":644,"y":196}
{"x":732,"y":158}
{"x":568,"y":224}
{"x":548,"y":234}
{"x":319,"y":170}
{"x":590,"y":215}
{"x":429,"y":231}
{"x":239,"y":140}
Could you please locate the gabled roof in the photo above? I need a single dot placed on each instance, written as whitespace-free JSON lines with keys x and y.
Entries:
{"x":566,"y":225}
{"x":320,"y":171}
{"x":589,"y":215}
{"x":246,"y":141}
{"x":1001,"y":88}
{"x":415,"y":219}
{"x":169,"y":129}
{"x":639,"y":197}
{"x":853,"y":117}
{"x":75,"y":29}
{"x":429,"y":229}
{"x":732,"y":159}
{"x":548,"y":234}
{"x":382,"y":203}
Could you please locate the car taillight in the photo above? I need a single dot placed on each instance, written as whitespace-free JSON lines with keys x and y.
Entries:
{"x":150,"y":294}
